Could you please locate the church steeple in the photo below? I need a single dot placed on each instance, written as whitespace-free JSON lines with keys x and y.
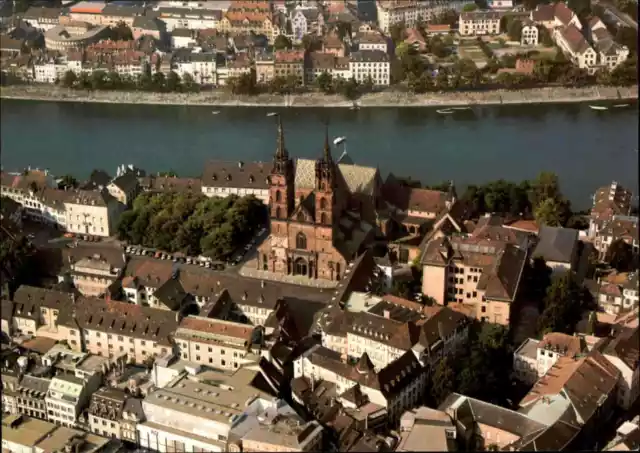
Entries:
{"x":327,"y":150}
{"x":281,"y":150}
{"x":325,"y":184}
{"x":281,"y":180}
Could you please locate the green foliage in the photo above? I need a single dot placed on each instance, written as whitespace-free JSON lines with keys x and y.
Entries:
{"x":192,"y":224}
{"x":397,"y":32}
{"x":536,"y":279}
{"x":563,"y":305}
{"x":282,"y":42}
{"x":311,"y":43}
{"x":243,"y":84}
{"x":621,"y":257}
{"x":324,"y":82}
{"x":469,"y":7}
{"x":17,"y":260}
{"x":479,"y":370}
{"x":514,"y":30}
{"x":121,"y":32}
{"x":68,"y":182}
{"x":498,"y":196}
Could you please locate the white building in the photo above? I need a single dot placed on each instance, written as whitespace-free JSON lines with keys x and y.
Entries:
{"x":409,"y":12}
{"x":183,"y":38}
{"x":479,"y":23}
{"x":197,"y":412}
{"x":42,"y":18}
{"x":500,"y":4}
{"x":306,"y":21}
{"x":374,"y":64}
{"x":92,"y":212}
{"x":530,"y":34}
{"x":372,"y":41}
{"x":190,"y":18}
{"x":66,"y":398}
{"x":618,"y":293}
{"x":200,"y":65}
{"x":49,"y":71}
{"x":222,"y":179}
{"x":396,"y":387}
{"x":574,"y":45}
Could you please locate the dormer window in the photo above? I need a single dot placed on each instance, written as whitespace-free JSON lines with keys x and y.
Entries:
{"x":214,"y":177}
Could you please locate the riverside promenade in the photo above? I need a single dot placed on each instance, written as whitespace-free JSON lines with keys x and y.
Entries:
{"x":381,"y":99}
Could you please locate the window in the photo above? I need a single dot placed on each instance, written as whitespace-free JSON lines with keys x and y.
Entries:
{"x":323,"y":204}
{"x":278,"y":196}
{"x":301,"y":241}
{"x":278,"y":212}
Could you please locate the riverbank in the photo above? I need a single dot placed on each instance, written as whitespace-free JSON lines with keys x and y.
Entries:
{"x":381,"y":99}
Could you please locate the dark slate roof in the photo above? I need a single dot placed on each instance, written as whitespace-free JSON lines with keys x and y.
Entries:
{"x":171,"y":293}
{"x":236,"y":174}
{"x":126,"y":182}
{"x":556,"y":244}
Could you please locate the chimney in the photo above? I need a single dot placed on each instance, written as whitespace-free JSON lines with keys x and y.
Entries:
{"x":441,"y":330}
{"x":240,"y":164}
{"x":262,"y":283}
{"x":386,"y":314}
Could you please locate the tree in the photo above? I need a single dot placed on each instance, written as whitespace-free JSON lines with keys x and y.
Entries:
{"x":121,"y":32}
{"x":69,"y":79}
{"x":545,"y":186}
{"x":98,"y":79}
{"x":515,"y":30}
{"x":368,"y":85}
{"x":548,"y":212}
{"x":347,"y":88}
{"x":311,"y":43}
{"x":324,"y":81}
{"x":343,"y":30}
{"x":282,"y":42}
{"x":545,"y":37}
{"x":189,"y":83}
{"x":536,"y":280}
{"x":68,"y":182}
{"x":563,"y":305}
{"x":173,"y":81}
{"x":620,"y":256}
{"x":469,"y":7}
{"x":443,"y":381}
{"x":397,"y":32}
{"x":402,"y":50}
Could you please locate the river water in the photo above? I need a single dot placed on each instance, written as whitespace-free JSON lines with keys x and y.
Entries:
{"x":585,"y":148}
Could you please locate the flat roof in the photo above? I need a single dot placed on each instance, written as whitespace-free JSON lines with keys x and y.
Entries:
{"x":28,"y":433}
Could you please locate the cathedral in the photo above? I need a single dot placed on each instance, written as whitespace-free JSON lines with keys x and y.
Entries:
{"x":322,"y":213}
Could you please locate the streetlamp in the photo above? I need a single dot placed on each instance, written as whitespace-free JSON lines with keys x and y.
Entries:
{"x":341,"y":141}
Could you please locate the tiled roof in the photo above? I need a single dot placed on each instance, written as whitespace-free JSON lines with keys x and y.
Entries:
{"x":121,"y":318}
{"x":567,"y":345}
{"x":626,"y":346}
{"x":563,"y":13}
{"x":358,"y":179}
{"x":236,"y":174}
{"x":414,"y":199}
{"x":574,"y":39}
{"x":205,"y":327}
{"x":171,"y":184}
{"x":543,"y":13}
{"x":111,"y":253}
{"x":369,"y":56}
{"x":41,"y":12}
{"x":289,"y":56}
{"x":321,"y":60}
{"x":40,"y":297}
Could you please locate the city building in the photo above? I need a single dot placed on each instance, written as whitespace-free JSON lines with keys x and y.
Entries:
{"x":618,"y":228}
{"x":124,"y":187}
{"x":608,"y":201}
{"x":114,"y":14}
{"x":321,"y":62}
{"x":189,"y":18}
{"x":92,"y":268}
{"x":610,"y":53}
{"x":214,"y":342}
{"x":73,"y":34}
{"x":479,"y":23}
{"x":221,"y":179}
{"x":558,"y":247}
{"x":66,"y":398}
{"x":115,"y":329}
{"x":87,"y":11}
{"x":265,"y":68}
{"x":484,"y":274}
{"x":42,"y":18}
{"x":183,"y":38}
{"x":371,"y":65}
{"x":202,"y":66}
{"x":245,"y":17}
{"x":105,"y":412}
{"x":305,"y":21}
{"x":410,"y":12}
{"x":426,"y":429}
{"x":371,"y":41}
{"x":555,"y":15}
{"x":623,"y":351}
{"x":574,"y":45}
{"x":283,"y":433}
{"x":314,"y":231}
{"x":331,"y":43}
{"x":32,"y":391}
{"x":530,"y":34}
{"x":289,"y":64}
{"x":93,"y":213}
{"x":36,"y":310}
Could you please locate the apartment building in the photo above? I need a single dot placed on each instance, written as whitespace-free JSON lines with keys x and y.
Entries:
{"x":622,"y":350}
{"x":49,"y":70}
{"x":484,"y":274}
{"x":305,"y":21}
{"x":246,"y":17}
{"x":202,"y":66}
{"x":322,"y":62}
{"x":479,"y":23}
{"x":608,"y":201}
{"x":10,"y":379}
{"x":619,"y":227}
{"x":114,"y":14}
{"x":289,"y":63}
{"x":214,"y":342}
{"x":190,"y":18}
{"x":534,"y":358}
{"x":196,"y":412}
{"x":42,"y":18}
{"x":396,"y":387}
{"x":32,"y":391}
{"x":24,"y":187}
{"x":372,"y":41}
{"x":555,"y":15}
{"x":105,"y":412}
{"x":221,"y":179}
{"x":610,"y":53}
{"x":426,"y":429}
{"x":558,"y":247}
{"x":66,"y":397}
{"x":86,"y":11}
{"x":331,"y":43}
{"x":371,"y":65}
{"x":115,"y":329}
{"x":36,"y":311}
{"x":410,"y":12}
{"x":582,"y":390}
{"x":92,"y":268}
{"x":394,"y":326}
{"x":574,"y":45}
{"x":617,"y":293}
{"x":124,"y":187}
{"x":530,"y":35}
{"x":92,"y":212}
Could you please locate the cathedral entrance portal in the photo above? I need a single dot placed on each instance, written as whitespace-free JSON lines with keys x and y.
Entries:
{"x":300,"y":267}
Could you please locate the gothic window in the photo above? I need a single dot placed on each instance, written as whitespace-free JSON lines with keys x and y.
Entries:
{"x":323,"y":218}
{"x":323,"y":204}
{"x":301,"y":241}
{"x":337,"y":271}
{"x":322,"y":186}
{"x":265,"y":263}
{"x":300,"y":217}
{"x":278,"y":212}
{"x":301,"y":199}
{"x":278,"y":196}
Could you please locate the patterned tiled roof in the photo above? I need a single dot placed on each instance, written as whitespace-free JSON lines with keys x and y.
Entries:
{"x":358,"y":179}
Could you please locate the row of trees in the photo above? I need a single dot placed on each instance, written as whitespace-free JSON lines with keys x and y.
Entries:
{"x":192,"y":223}
{"x":541,"y":197}
{"x":111,"y":80}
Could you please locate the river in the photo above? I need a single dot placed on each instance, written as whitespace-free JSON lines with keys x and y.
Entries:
{"x":586,"y":148}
